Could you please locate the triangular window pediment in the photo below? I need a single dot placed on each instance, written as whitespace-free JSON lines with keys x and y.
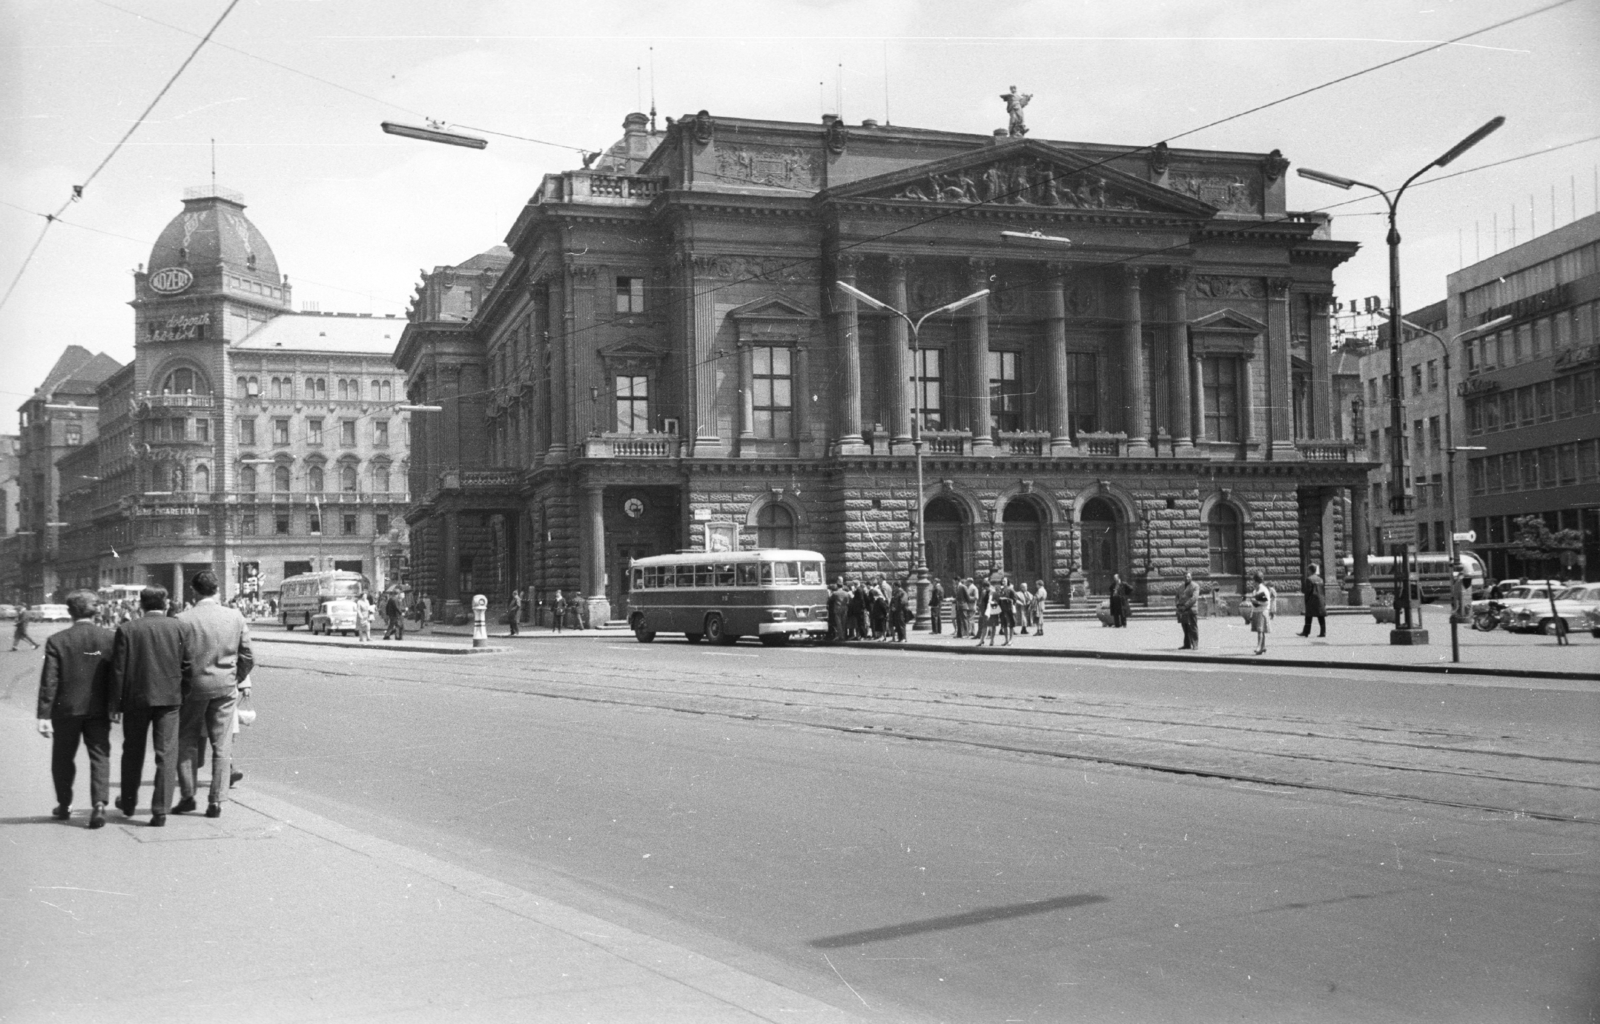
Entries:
{"x":1025,"y":173}
{"x":1228,"y":321}
{"x":772,"y":307}
{"x":1227,"y":332}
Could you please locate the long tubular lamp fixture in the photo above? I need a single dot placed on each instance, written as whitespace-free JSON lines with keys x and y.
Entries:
{"x":433,"y":134}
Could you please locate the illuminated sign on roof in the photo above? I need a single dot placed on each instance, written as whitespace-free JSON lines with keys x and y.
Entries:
{"x":171,"y":280}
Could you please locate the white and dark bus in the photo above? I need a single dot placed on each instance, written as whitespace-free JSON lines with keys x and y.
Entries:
{"x":302,"y":596}
{"x":1430,"y":570}
{"x":772,"y":594}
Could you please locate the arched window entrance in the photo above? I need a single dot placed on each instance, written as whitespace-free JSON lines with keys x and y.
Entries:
{"x":775,"y":527}
{"x":1101,"y":528}
{"x":1023,"y":525}
{"x":946,"y":540}
{"x":1225,"y":535}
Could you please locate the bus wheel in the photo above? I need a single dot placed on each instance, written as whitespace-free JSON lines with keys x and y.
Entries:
{"x":640,"y":633}
{"x":774,"y":639}
{"x":693,"y":638}
{"x":716,"y":632}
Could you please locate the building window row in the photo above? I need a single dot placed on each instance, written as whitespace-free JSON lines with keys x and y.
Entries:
{"x":1535,"y":469}
{"x":1534,"y":339}
{"x":347,"y":475}
{"x":315,"y":389}
{"x":282,"y":431}
{"x":1567,"y":396}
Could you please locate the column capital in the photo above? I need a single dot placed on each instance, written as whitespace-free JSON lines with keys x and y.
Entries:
{"x":979,"y":268}
{"x":898,"y":264}
{"x":1175,"y":278}
{"x":1278,"y":288}
{"x":1133,"y":274}
{"x":1058,"y":271}
{"x":847,"y":263}
{"x":1320,"y":302}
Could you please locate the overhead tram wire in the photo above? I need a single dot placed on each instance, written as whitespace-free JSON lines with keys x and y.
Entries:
{"x":78,"y":190}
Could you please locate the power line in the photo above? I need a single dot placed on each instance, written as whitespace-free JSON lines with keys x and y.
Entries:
{"x":78,"y":190}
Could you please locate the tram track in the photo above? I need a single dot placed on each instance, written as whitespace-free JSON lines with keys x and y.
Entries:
{"x":1499,"y":774}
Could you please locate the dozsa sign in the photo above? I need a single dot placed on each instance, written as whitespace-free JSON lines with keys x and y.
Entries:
{"x":171,"y":280}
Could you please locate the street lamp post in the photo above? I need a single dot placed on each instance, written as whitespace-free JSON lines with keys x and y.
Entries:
{"x":1409,"y":631}
{"x":919,"y":555}
{"x":1450,"y":449}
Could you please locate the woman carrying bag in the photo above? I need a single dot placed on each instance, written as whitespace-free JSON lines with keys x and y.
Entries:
{"x":1262,"y":602}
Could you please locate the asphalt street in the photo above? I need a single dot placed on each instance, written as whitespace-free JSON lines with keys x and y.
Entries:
{"x":925,"y":837}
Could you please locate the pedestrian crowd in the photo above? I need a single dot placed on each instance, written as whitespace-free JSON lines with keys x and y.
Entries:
{"x":174,"y":680}
{"x":875,"y":609}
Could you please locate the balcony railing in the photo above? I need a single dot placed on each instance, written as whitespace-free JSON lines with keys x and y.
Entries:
{"x":1100,"y":443}
{"x":1327,"y":450}
{"x":166,"y":400}
{"x":588,"y":186}
{"x":1023,"y":442}
{"x":632,"y":446}
{"x":948,"y":442}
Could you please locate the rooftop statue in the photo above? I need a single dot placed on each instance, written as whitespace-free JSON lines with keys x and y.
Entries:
{"x":1014,"y":102}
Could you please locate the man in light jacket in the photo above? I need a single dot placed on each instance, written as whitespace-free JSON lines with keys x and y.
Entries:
{"x":218,"y":641}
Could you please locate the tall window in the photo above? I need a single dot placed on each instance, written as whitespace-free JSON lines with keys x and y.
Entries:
{"x":1433,"y":375}
{"x":247,"y":479}
{"x":774,"y":392}
{"x":280,"y":482}
{"x":202,"y":479}
{"x":347,"y":478}
{"x":74,"y":436}
{"x":347,"y":433}
{"x":314,"y":480}
{"x":1083,"y":391}
{"x":1005,"y":398}
{"x":630,"y":295}
{"x":247,"y":430}
{"x":929,"y":390}
{"x":1224,"y":534}
{"x":317,"y":389}
{"x":202,"y":430}
{"x":775,"y":527}
{"x":349,"y":525}
{"x":1219,"y":376}
{"x":280,"y":431}
{"x":380,"y":479}
{"x":1435,"y":434}
{"x":183,"y":382}
{"x":380,"y":432}
{"x":314,"y":431}
{"x":633,"y":404}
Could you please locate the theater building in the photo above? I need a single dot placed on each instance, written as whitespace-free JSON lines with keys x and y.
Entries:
{"x":244,"y":437}
{"x":664,"y":361}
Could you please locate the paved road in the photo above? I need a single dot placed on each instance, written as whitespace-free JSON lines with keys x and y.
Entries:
{"x":1045,"y":842}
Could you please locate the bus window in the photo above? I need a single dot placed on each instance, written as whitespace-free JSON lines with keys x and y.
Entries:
{"x":638,"y":579}
{"x":702,"y":576}
{"x":766,"y":574}
{"x":811,"y":573}
{"x":749,"y":576}
{"x":685,"y":576}
{"x":724,"y":575}
{"x":785,"y":574}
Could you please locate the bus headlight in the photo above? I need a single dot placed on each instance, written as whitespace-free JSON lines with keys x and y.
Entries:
{"x":777,"y":614}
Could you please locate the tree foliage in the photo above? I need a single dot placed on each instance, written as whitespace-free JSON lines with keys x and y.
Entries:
{"x":1535,"y":542}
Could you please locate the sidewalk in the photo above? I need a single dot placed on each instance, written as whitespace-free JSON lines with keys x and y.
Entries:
{"x":270,"y":913}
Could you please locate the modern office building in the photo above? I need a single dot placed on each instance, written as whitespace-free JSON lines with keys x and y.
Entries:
{"x":1529,"y":395}
{"x":244,"y":437}
{"x":665,"y":361}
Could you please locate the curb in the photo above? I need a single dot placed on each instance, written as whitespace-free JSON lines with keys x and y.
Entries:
{"x":386,"y":645}
{"x":1215,"y":659}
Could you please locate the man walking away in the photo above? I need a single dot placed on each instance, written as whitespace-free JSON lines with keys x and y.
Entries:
{"x":19,"y":633}
{"x":936,"y":606}
{"x":1316,"y":607}
{"x":218,"y":641}
{"x":559,"y":619}
{"x":74,"y":688}
{"x":1185,"y":601}
{"x":1120,"y":592}
{"x":394,"y":618}
{"x":149,"y":663}
{"x":515,"y":612}
{"x":1040,"y":596}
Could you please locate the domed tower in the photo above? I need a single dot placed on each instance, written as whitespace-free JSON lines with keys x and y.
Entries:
{"x":211,"y":280}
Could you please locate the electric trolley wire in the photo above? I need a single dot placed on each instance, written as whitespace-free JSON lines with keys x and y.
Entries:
{"x":78,"y":190}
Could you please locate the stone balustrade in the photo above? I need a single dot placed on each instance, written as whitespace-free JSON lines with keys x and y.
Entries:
{"x":632,"y":446}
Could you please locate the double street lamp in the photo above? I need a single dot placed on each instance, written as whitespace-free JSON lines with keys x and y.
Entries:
{"x":919,"y":555}
{"x":1407,"y":628}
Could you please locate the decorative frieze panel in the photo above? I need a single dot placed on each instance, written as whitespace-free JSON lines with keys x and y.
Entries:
{"x":1023,"y":181}
{"x":771,"y":165}
{"x":1231,"y":193}
{"x":1214,"y":286}
{"x":774,"y":269}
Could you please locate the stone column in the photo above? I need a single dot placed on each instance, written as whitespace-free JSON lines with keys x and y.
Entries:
{"x":1180,"y":384}
{"x":802,"y":394}
{"x":704,"y":359}
{"x":1280,"y":410}
{"x":592,"y":552}
{"x":1249,"y":420}
{"x":1321,"y":355}
{"x":978,"y":358}
{"x":1056,"y":359}
{"x":557,"y":452}
{"x":847,"y":331}
{"x":899,"y":357}
{"x":747,"y":399}
{"x":1135,"y":407}
{"x":1197,"y":404}
{"x":1361,"y":592}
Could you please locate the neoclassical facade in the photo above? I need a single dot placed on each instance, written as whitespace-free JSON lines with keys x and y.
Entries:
{"x":244,"y":437}
{"x":666,"y":357}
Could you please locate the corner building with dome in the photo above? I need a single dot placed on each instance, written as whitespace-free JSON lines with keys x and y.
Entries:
{"x":244,"y":437}
{"x":665,"y":358}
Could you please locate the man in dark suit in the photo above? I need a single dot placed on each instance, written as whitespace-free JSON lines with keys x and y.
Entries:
{"x":74,"y":688}
{"x":1312,"y":589}
{"x":149,"y":663}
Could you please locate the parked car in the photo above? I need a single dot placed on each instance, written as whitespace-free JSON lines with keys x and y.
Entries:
{"x":7,"y":612}
{"x":49,"y":613}
{"x":1496,"y":611}
{"x":1574,"y":605}
{"x":337,"y":615}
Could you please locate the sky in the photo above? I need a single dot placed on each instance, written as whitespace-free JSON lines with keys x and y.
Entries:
{"x":288,"y":94}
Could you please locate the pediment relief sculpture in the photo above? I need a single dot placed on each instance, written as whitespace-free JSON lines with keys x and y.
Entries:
{"x":1022,"y":181}
{"x":1231,"y":193}
{"x":1213,"y":286}
{"x":771,"y":165}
